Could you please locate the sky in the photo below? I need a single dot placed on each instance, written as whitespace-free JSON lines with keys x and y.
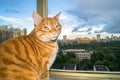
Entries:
{"x":79,"y":18}
{"x":17,"y":13}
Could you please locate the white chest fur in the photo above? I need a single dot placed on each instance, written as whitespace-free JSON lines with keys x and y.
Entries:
{"x":53,"y":56}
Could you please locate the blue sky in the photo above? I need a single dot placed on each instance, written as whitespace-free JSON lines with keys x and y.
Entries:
{"x":79,"y":18}
{"x":17,"y":13}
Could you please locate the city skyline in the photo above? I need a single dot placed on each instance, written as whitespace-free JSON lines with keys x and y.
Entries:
{"x":84,"y":18}
{"x":102,"y":36}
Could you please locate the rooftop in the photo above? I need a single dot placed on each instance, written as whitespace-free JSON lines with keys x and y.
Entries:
{"x":74,"y":50}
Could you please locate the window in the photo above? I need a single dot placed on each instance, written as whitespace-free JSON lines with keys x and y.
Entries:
{"x":94,"y":20}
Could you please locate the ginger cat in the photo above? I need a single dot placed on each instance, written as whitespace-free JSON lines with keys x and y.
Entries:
{"x":30,"y":57}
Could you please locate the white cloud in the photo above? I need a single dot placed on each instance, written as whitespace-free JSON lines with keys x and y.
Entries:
{"x":96,"y":12}
{"x":10,"y":19}
{"x":29,"y":19}
{"x":68,"y":22}
{"x":21,"y":23}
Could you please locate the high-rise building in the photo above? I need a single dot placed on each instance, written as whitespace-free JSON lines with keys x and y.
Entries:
{"x":98,"y":37}
{"x":25,"y":31}
{"x":64,"y":38}
{"x":112,"y":37}
{"x":10,"y":32}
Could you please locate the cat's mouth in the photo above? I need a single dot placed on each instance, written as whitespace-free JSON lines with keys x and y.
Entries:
{"x":48,"y":39}
{"x":53,"y":39}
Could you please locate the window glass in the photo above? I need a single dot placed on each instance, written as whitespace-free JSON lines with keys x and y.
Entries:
{"x":87,"y":18}
{"x":88,"y":27}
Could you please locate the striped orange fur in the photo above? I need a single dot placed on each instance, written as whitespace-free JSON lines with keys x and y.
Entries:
{"x":30,"y":57}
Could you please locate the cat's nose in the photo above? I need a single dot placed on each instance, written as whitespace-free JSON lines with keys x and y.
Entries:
{"x":54,"y":35}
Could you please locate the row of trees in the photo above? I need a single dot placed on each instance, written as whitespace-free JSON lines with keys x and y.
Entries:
{"x":105,"y":53}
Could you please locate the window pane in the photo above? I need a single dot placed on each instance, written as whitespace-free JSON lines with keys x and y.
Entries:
{"x":89,"y":25}
{"x":87,"y":18}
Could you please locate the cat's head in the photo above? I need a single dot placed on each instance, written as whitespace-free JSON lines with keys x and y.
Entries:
{"x":46,"y":29}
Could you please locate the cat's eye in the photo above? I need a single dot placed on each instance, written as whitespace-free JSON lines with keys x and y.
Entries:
{"x":46,"y":28}
{"x":57,"y":27}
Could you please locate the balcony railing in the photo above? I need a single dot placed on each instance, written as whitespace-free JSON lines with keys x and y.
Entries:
{"x":83,"y":75}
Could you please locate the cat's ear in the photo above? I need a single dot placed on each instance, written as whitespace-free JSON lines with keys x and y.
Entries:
{"x":37,"y":18}
{"x":58,"y":15}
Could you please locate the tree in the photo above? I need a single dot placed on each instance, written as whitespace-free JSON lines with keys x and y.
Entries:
{"x":105,"y":53}
{"x":88,"y":65}
{"x":99,"y":62}
{"x":110,"y":57}
{"x":71,"y":55}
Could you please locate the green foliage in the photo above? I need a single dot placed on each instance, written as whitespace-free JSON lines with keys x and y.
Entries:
{"x":106,"y":53}
{"x":88,"y":65}
{"x":63,"y":59}
{"x":99,"y":62}
{"x":72,"y":55}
